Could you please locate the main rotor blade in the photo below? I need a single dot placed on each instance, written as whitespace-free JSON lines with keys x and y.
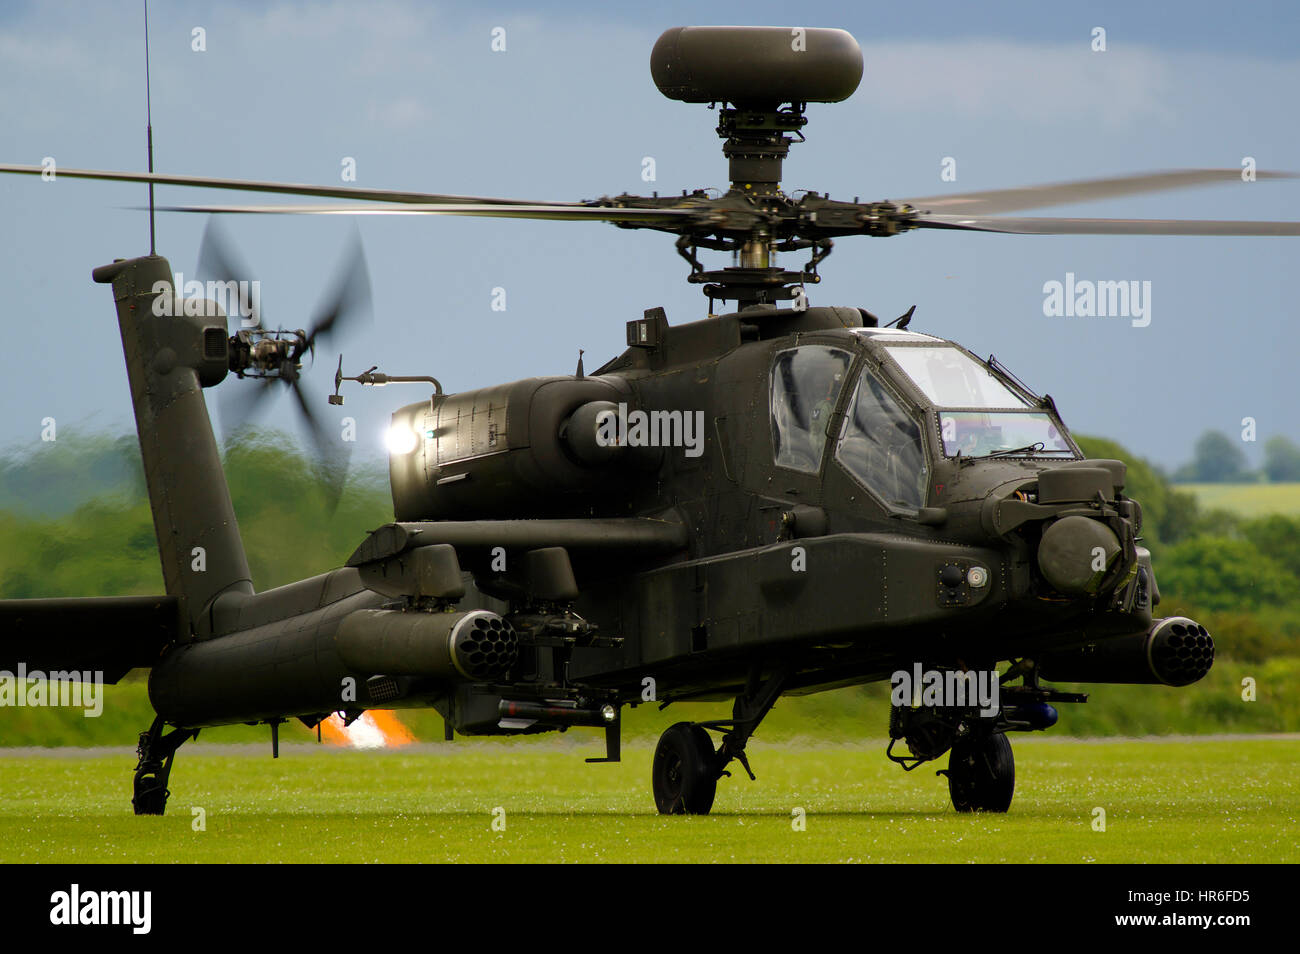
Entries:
{"x":283,"y":188}
{"x":1050,"y":226}
{"x":994,"y":201}
{"x":576,"y":213}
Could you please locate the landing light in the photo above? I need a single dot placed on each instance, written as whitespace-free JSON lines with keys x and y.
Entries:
{"x":401,"y":439}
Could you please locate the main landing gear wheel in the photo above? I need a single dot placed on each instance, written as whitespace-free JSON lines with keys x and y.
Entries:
{"x":981,"y":773}
{"x":684,"y":776}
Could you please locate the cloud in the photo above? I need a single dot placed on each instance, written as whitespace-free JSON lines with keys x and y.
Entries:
{"x":403,"y":113}
{"x":1000,"y":79}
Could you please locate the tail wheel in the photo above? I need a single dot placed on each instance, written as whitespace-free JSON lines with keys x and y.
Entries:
{"x":150,"y":796}
{"x":684,"y":776}
{"x":981,"y":774}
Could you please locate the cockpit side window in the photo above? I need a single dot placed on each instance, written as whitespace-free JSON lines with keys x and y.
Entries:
{"x":880,"y":444}
{"x":806,"y":383}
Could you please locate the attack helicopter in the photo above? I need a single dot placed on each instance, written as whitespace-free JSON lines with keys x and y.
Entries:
{"x":774,"y":500}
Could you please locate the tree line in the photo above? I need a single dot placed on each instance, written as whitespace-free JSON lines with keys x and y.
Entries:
{"x":1218,"y":459}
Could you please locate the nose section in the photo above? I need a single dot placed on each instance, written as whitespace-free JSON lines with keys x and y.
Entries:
{"x":1083,"y":529}
{"x":1082,"y":554}
{"x":1076,"y":483}
{"x":1076,"y":553}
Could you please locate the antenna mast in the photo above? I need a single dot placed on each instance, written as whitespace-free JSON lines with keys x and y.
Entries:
{"x":148,"y":112}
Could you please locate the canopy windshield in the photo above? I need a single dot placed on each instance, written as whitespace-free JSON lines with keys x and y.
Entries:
{"x":950,"y":378}
{"x":976,"y":433}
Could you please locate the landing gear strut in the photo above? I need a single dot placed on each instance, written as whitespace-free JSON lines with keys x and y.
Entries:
{"x":981,"y":772}
{"x":156,"y":751}
{"x":686,"y":768}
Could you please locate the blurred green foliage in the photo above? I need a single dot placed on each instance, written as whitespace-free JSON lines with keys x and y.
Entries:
{"x":1225,"y":573}
{"x":105,"y":544}
{"x":1240,"y":576}
{"x":53,"y":478}
{"x":1281,"y":460}
{"x":1168,"y":514}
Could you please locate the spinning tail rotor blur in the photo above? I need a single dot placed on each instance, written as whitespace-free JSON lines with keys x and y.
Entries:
{"x":260,"y":357}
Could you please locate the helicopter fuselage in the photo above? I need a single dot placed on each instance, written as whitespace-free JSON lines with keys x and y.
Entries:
{"x":828,"y":525}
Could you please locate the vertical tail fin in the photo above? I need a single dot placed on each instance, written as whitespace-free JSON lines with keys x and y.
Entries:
{"x":170,"y":358}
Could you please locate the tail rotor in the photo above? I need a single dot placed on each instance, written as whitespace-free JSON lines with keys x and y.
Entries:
{"x":261,"y":357}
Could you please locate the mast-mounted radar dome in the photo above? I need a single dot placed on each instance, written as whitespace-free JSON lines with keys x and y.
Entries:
{"x":751,"y":66}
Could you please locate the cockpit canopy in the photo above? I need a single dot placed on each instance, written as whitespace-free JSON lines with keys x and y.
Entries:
{"x":905,"y":387}
{"x":979,"y":413}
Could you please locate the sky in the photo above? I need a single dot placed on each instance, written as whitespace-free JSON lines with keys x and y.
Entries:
{"x":413,"y":92}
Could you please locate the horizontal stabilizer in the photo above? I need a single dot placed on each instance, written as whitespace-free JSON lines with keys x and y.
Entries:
{"x":111,"y":634}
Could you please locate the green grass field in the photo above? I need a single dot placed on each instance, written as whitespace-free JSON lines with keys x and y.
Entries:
{"x":1247,"y":500}
{"x":1165,"y":801}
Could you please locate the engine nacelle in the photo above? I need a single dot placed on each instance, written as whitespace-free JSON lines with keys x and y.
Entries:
{"x":500,"y":452}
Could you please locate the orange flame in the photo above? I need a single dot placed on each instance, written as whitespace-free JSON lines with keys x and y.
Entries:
{"x":375,"y":729}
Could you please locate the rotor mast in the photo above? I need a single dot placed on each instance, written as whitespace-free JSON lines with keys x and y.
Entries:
{"x":756,"y":146}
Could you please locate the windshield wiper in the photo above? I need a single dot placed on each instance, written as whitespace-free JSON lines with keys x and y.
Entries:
{"x":1036,"y":446}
